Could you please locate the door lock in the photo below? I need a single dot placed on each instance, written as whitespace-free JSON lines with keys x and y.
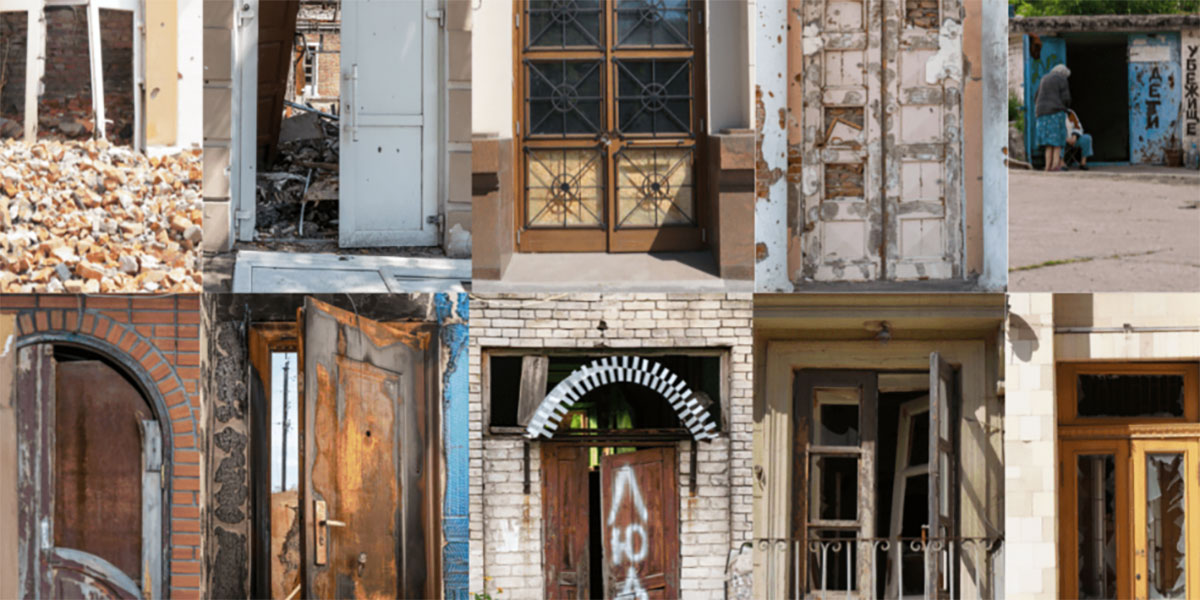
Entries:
{"x":321,"y":525}
{"x":362,"y":562}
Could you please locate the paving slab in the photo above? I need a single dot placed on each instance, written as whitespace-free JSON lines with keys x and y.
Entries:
{"x":1108,"y":229}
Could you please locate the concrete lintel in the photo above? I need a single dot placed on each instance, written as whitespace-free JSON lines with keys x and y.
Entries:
{"x":1121,"y":23}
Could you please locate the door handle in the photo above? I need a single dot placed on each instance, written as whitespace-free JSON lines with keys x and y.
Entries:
{"x":321,"y":525}
{"x":354,"y":101}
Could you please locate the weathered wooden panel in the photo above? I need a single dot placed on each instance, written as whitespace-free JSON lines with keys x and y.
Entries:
{"x":35,"y":439}
{"x":639,"y":502}
{"x":534,"y":371}
{"x":285,"y":543}
{"x":9,"y":577}
{"x":276,"y":27}
{"x":944,"y":399}
{"x":98,"y":464}
{"x":565,"y":501}
{"x":364,"y":455}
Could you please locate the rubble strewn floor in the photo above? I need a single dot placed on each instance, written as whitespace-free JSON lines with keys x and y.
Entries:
{"x":92,"y":217}
{"x":305,"y":173}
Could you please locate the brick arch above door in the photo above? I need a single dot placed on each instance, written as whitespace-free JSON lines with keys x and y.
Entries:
{"x":153,"y":360}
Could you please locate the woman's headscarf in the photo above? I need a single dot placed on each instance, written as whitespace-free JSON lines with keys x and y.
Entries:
{"x":1061,"y":68}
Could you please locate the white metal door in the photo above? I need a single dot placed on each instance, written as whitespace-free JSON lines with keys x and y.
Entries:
{"x":390,"y":127}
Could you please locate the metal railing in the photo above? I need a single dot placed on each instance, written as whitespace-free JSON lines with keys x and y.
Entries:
{"x":893,"y":568}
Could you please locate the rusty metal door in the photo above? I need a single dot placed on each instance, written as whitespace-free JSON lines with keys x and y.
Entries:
{"x":639,"y":503}
{"x":881,"y":188}
{"x":86,"y":528}
{"x":365,"y":479}
{"x":942,"y":555}
{"x":565,"y":497}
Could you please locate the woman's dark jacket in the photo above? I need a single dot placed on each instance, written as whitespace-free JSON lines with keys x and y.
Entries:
{"x":1053,"y":95}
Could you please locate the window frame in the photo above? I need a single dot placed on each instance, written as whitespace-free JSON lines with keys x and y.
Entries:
{"x":609,"y":236}
{"x":1067,"y":390}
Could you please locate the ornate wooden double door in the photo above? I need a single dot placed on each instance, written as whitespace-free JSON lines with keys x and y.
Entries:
{"x":609,"y":127}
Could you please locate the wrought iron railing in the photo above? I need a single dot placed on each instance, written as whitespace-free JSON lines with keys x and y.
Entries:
{"x":893,"y":568}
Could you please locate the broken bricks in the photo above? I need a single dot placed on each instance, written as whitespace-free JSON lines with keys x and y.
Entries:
{"x":92,"y":217}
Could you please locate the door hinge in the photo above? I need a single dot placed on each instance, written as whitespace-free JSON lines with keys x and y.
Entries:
{"x":434,"y":219}
{"x":518,"y":129}
{"x":700,"y":16}
{"x":519,"y":230}
{"x":439,"y":14}
{"x":244,"y":215}
{"x":703,"y":235}
{"x":517,"y":20}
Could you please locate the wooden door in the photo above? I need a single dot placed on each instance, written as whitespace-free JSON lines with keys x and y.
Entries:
{"x":881,"y":183}
{"x":1094,"y":519}
{"x":565,"y":498}
{"x":90,"y":514}
{"x":912,"y":466}
{"x":365,"y":480}
{"x":390,"y":127}
{"x":276,"y":21}
{"x":941,"y":567}
{"x":639,"y":502}
{"x":1166,"y":518}
{"x":610,"y":114}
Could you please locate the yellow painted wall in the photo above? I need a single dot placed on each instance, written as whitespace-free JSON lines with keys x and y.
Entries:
{"x":162,"y":77}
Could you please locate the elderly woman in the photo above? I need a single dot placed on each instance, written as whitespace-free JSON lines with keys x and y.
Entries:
{"x":1050,"y":105}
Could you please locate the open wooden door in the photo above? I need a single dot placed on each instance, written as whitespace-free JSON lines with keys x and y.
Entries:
{"x":276,"y":21}
{"x":90,"y":513}
{"x":390,"y":126}
{"x":639,"y":502}
{"x":1166,"y":518}
{"x":366,"y":480}
{"x":941,"y":565}
{"x":565,"y":492}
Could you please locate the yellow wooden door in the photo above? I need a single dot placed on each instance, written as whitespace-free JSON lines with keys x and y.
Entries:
{"x":1166,"y":518}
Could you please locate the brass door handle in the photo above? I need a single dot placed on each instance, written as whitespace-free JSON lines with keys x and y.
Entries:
{"x":333,"y":523}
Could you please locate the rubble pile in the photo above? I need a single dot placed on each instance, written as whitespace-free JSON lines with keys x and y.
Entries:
{"x":305,"y":173}
{"x":72,"y":118}
{"x":91,"y":217}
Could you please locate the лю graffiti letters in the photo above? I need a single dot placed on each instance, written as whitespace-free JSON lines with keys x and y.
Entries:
{"x":629,"y":548}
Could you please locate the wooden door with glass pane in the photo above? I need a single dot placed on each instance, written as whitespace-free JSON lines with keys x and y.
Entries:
{"x":609,"y":124}
{"x":1166,"y":518}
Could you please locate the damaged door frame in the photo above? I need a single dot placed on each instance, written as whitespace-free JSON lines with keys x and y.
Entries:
{"x":244,"y":121}
{"x":35,"y":59}
{"x":267,"y":337}
{"x":157,"y":477}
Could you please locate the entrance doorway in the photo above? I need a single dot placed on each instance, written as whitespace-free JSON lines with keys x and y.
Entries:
{"x":1100,"y":92}
{"x":91,"y":523}
{"x":1129,"y":497}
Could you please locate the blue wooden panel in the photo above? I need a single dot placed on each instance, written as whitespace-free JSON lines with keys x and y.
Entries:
{"x":1054,"y":52}
{"x":453,"y":313}
{"x":1155,"y":93}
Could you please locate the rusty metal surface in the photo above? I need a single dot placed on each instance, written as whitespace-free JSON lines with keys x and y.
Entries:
{"x":364,"y":452}
{"x":35,"y":416}
{"x":565,"y":497}
{"x":285,"y":543}
{"x":639,"y":502}
{"x":98,"y":464}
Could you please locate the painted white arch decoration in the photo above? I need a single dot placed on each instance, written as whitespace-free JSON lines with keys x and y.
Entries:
{"x":621,"y":369}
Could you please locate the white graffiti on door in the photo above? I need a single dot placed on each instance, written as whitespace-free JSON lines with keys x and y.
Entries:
{"x":623,"y":543}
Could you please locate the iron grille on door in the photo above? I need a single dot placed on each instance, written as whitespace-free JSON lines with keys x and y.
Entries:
{"x":608,"y":127}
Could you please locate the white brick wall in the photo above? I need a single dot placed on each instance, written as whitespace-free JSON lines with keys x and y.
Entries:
{"x":506,"y":547}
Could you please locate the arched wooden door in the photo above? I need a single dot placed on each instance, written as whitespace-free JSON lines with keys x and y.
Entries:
{"x":91,"y":499}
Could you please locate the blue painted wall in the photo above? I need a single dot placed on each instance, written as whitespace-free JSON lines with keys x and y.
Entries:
{"x":1054,"y":52}
{"x":453,"y":315}
{"x":1155,"y":94}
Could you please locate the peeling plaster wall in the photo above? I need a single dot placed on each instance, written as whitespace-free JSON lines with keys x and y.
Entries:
{"x":772,"y":80}
{"x":995,"y":147}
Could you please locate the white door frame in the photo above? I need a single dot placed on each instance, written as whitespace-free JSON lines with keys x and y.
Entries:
{"x":243,"y":165}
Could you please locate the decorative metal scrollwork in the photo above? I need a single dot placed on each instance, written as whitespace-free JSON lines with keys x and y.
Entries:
{"x":653,"y":23}
{"x":654,"y":187}
{"x":564,"y":188}
{"x":564,"y":23}
{"x":564,"y":97}
{"x":654,"y":96}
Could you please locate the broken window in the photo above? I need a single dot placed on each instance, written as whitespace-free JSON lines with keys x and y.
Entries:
{"x":14,"y":46}
{"x":517,"y":383}
{"x":1101,"y":392}
{"x":876,"y":482}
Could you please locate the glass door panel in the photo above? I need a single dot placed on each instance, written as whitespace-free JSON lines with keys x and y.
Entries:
{"x":1166,"y":528}
{"x":1094,"y":520}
